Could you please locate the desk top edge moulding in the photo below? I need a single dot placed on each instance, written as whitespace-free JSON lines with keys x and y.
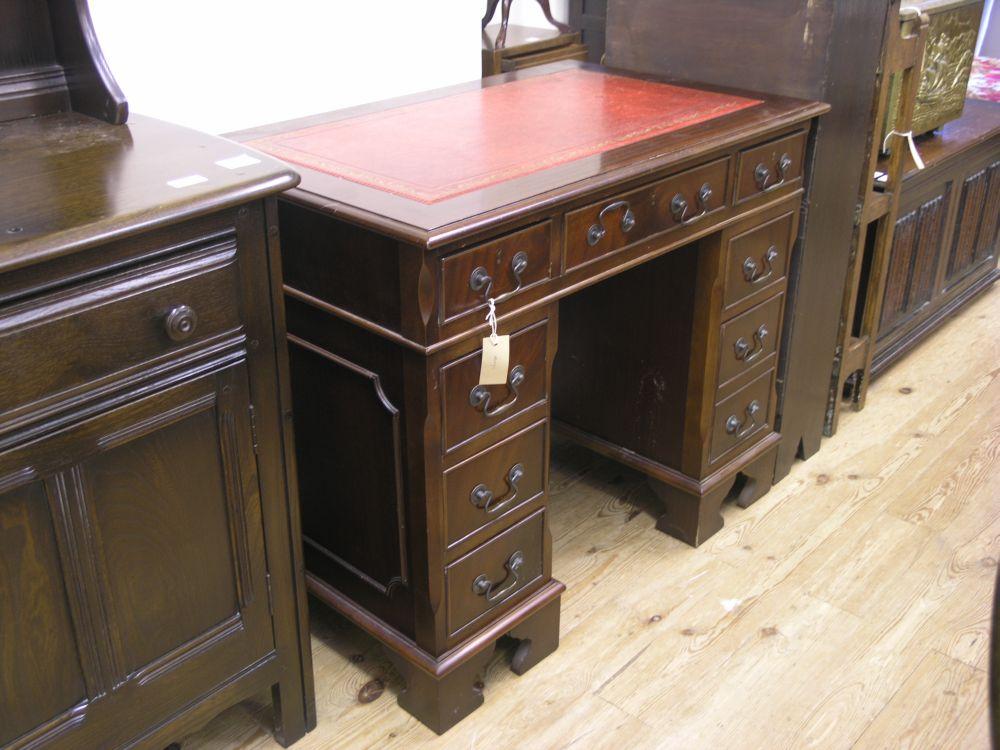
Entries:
{"x":149,"y":530}
{"x":578,"y":200}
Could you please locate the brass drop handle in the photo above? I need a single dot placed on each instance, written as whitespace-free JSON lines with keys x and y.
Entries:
{"x":755,"y":273}
{"x":762,"y":173}
{"x":180,"y":323}
{"x":480,"y":396}
{"x":483,"y":586}
{"x":482,"y":496}
{"x":481,"y":281}
{"x":597,"y":231}
{"x":734,"y":426}
{"x":679,"y":205}
{"x":745,"y":352}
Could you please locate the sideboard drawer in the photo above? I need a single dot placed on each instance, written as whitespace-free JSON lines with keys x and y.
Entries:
{"x":743,"y":417}
{"x":757,"y":260}
{"x":89,"y":334}
{"x":495,"y":572}
{"x":469,"y":409}
{"x":770,"y":166}
{"x":502,"y":267}
{"x":750,"y":339}
{"x":678,"y":201}
{"x":486,"y":488}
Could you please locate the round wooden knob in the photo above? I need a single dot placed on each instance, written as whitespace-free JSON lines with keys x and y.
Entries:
{"x":181,"y":322}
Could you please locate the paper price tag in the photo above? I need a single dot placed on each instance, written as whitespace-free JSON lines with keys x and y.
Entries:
{"x":496,"y":360}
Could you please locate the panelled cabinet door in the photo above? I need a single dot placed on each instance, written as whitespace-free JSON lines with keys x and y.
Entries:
{"x":132,"y":548}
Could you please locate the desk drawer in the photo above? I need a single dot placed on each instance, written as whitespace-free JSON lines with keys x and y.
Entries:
{"x":501,"y":267}
{"x":750,"y":339}
{"x":743,"y":418}
{"x":492,"y":575}
{"x":770,"y":166}
{"x":485,"y":489}
{"x":87,"y":335}
{"x":469,"y":409}
{"x":757,"y":260}
{"x":678,"y":201}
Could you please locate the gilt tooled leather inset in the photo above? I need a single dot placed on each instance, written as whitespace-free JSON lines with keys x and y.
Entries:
{"x":438,"y":149}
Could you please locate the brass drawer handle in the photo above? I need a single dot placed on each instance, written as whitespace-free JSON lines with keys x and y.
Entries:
{"x":483,"y":586}
{"x":746,"y":353}
{"x":755,"y":273}
{"x":741,"y":429}
{"x":481,"y":281}
{"x":679,"y":206}
{"x":762,"y":174}
{"x":180,"y":323}
{"x":482,"y":496}
{"x":479,"y":397}
{"x":597,"y":232}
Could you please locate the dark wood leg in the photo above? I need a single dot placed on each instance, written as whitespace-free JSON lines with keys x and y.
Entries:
{"x":491,"y":8}
{"x":688,"y":516}
{"x":547,"y":11}
{"x":538,"y":636}
{"x":442,"y":702}
{"x":756,"y":479}
{"x":289,"y":713}
{"x":504,"y":20}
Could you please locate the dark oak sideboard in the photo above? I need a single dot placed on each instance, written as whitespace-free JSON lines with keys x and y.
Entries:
{"x":424,"y":492}
{"x":944,"y":250}
{"x":149,"y":538}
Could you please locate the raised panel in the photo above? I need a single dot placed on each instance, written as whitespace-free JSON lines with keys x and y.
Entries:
{"x":913,"y":262}
{"x":41,"y":676}
{"x":976,"y":224}
{"x":350,"y":480}
{"x":160,"y":507}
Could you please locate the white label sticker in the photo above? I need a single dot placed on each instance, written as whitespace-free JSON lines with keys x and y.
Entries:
{"x":191,"y":179}
{"x":235,"y":162}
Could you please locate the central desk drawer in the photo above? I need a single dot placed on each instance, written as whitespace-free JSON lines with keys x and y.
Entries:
{"x":487,"y":488}
{"x":502,"y":267}
{"x":743,"y":418}
{"x":469,"y":409}
{"x":749,"y":339}
{"x":89,"y":334}
{"x":680,"y":200}
{"x":494,"y":573}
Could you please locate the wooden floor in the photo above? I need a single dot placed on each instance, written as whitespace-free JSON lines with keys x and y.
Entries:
{"x":850,"y":607}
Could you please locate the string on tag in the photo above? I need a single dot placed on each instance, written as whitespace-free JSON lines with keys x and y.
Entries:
{"x":908,"y":135}
{"x":491,"y":318}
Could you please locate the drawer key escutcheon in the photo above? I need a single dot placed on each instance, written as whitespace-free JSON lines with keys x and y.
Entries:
{"x":482,"y":496}
{"x":679,"y":205}
{"x":745,"y":352}
{"x":597,"y":231}
{"x":483,"y":586}
{"x":180,"y":322}
{"x":741,"y":429}
{"x":479,"y":396}
{"x":481,"y":280}
{"x":762,"y":174}
{"x":754,"y":273}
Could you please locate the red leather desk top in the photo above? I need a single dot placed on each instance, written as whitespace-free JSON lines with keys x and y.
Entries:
{"x":438,"y":149}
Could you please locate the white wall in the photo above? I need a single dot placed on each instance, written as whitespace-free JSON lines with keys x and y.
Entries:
{"x":527,"y":13}
{"x":224,"y":65}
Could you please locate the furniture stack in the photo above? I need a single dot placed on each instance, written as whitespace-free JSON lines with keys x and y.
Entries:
{"x":149,"y":536}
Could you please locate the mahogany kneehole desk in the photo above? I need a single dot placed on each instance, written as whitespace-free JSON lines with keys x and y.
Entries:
{"x":424,"y":494}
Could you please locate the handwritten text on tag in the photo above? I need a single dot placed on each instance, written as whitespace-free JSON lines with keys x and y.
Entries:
{"x":496,"y":360}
